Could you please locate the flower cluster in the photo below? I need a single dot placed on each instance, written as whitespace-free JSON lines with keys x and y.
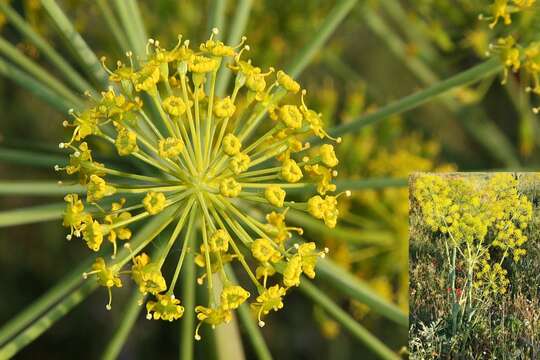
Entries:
{"x":212,"y":162}
{"x":477,"y":215}
{"x":514,"y":55}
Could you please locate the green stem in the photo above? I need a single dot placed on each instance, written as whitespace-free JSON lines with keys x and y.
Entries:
{"x":32,"y":214}
{"x":252,"y":330}
{"x":370,"y":341}
{"x":41,"y":91}
{"x":188,"y":297}
{"x":380,"y":238}
{"x":44,"y":312}
{"x":26,"y":30}
{"x":86,"y":57}
{"x":58,"y":311}
{"x":129,"y":317}
{"x":112,"y":24}
{"x":327,"y":28}
{"x":412,"y":101}
{"x":238,"y":26}
{"x":38,"y":188}
{"x":356,"y":289}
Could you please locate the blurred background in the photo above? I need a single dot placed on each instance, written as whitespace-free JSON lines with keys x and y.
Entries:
{"x":384,"y":50}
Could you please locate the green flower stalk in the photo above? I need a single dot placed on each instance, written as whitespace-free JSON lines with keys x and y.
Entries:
{"x":214,"y":158}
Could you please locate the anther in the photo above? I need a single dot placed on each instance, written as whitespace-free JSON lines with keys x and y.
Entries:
{"x":261,"y":323}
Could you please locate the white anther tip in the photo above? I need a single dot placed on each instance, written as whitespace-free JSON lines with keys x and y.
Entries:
{"x":197,"y":337}
{"x":108,"y":307}
{"x":348,"y":193}
{"x":85,"y":275}
{"x":68,"y":237}
{"x":215,"y":31}
{"x":61,"y":145}
{"x":149,"y":316}
{"x":261,"y":323}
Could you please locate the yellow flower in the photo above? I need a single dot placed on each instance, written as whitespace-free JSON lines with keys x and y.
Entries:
{"x":230,"y":187}
{"x":328,"y":155}
{"x":74,"y":215}
{"x":292,"y":272}
{"x":170,"y":147}
{"x":224,"y":108}
{"x":154,"y":202}
{"x":291,"y":116}
{"x":174,"y":106}
{"x":147,"y":78}
{"x":212,"y":316}
{"x":114,"y":221}
{"x":202,"y":64}
{"x":270,"y":299}
{"x":166,"y":307}
{"x":232,"y":297}
{"x":240,"y":163}
{"x":126,"y":142}
{"x":264,"y":251}
{"x":231,"y":145}
{"x":219,"y":241}
{"x":97,"y":189}
{"x":325,"y":209}
{"x":287,"y":82}
{"x":147,"y":275}
{"x":275,"y":195}
{"x":107,"y":276}
{"x":92,"y":233}
{"x":290,"y":171}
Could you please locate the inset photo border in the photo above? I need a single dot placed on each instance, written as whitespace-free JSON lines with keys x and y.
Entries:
{"x":474,"y":265}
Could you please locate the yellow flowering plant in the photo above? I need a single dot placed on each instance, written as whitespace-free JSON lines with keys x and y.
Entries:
{"x":481,"y":221}
{"x":210,"y":167}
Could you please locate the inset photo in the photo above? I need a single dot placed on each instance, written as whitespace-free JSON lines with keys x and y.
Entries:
{"x":474,"y":266}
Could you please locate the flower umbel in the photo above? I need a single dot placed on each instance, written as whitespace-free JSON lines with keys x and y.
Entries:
{"x":215,"y":163}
